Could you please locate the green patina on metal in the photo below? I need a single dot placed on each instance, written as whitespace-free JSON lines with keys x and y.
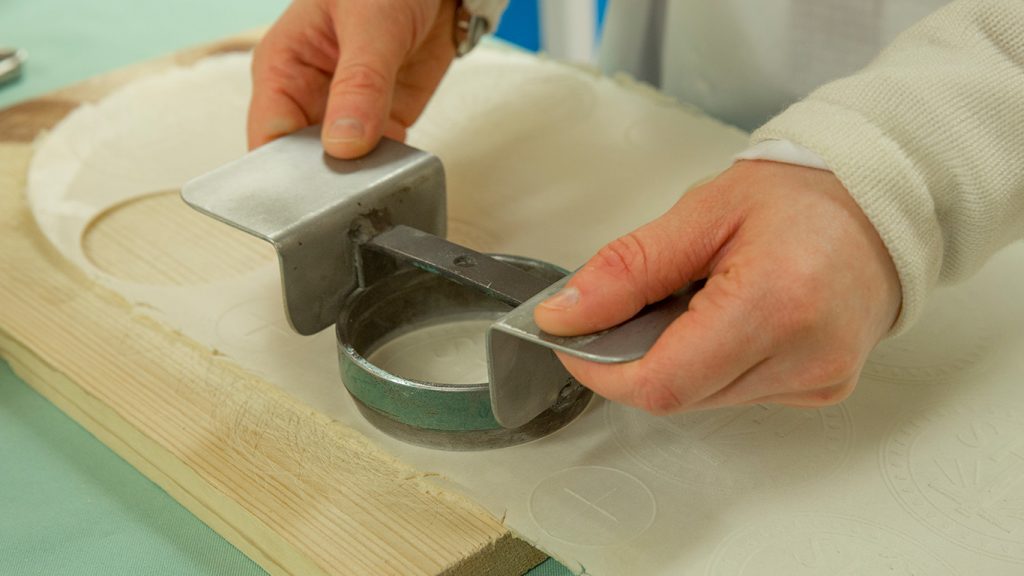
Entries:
{"x":433,"y":406}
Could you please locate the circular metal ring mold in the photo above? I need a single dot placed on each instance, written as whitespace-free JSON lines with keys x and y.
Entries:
{"x":446,"y":416}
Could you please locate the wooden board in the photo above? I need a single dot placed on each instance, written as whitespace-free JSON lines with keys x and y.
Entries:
{"x":296,"y":492}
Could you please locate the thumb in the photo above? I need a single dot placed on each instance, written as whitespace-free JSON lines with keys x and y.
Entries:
{"x":372,"y":45}
{"x":637,"y":269}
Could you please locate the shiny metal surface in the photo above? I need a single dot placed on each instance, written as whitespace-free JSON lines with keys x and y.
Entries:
{"x":316,"y":210}
{"x":492,"y":276}
{"x":519,"y":352}
{"x":439,"y":415}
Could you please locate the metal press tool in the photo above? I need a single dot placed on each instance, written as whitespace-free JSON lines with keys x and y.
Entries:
{"x":361,"y":245}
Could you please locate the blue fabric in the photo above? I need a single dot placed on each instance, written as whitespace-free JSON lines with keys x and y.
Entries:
{"x":521,"y":24}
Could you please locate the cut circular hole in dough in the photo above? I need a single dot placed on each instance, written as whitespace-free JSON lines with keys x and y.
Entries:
{"x":157,"y":239}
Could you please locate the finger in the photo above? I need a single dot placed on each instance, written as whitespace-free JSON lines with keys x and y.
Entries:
{"x":748,"y":388}
{"x":373,"y":41}
{"x":290,"y":75}
{"x":640,"y":268}
{"x":710,"y":346}
{"x":421,"y":74}
{"x":395,"y":130}
{"x":274,"y":111}
{"x":795,"y":378}
{"x":827,"y":396}
{"x":417,"y":81}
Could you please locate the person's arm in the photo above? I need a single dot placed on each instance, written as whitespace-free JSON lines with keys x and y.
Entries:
{"x":362,"y":69}
{"x":929,"y":140}
{"x":805,"y":267}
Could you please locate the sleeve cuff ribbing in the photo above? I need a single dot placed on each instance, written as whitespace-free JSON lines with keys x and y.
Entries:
{"x":883,"y":181}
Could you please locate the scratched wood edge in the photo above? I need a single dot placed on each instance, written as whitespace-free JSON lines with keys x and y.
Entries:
{"x":139,"y":451}
{"x":446,"y":533}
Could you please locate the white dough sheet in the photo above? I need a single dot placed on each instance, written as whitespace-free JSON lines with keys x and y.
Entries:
{"x":919,"y":472}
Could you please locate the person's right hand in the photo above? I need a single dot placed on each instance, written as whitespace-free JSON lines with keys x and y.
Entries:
{"x":800,"y":287}
{"x":362,"y":68}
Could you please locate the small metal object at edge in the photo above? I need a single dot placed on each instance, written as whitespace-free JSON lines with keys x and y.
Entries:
{"x":12,"y":61}
{"x":468,"y":30}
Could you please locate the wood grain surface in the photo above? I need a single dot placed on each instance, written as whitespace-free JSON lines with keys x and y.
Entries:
{"x":296,"y":492}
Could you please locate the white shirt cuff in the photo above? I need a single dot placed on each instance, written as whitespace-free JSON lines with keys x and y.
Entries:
{"x":783,"y":151}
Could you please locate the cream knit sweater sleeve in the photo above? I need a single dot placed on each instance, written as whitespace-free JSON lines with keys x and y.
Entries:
{"x":929,"y":140}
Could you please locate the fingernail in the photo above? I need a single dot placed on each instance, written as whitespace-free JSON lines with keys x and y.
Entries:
{"x":563,"y":299}
{"x":346,"y":130}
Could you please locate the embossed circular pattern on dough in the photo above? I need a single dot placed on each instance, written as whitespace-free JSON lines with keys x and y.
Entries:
{"x":952,"y":336}
{"x":816,"y":544}
{"x":592,"y":506}
{"x":960,"y":471}
{"x":734,"y":449}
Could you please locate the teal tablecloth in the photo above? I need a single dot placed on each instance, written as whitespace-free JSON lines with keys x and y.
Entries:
{"x":68,"y":505}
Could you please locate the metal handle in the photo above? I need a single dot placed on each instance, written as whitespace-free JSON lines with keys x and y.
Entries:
{"x":497,"y":279}
{"x":521,"y":379}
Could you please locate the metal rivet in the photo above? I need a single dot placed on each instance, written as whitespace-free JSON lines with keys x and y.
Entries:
{"x":464,"y":261}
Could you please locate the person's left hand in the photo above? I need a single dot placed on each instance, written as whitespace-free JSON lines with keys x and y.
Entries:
{"x":799,"y":289}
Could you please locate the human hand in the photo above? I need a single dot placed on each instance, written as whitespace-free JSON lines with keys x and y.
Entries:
{"x":799,"y":289}
{"x":363,"y":69}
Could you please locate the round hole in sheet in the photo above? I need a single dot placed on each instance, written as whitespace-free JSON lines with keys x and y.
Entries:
{"x":157,"y":239}
{"x":445,"y":353}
